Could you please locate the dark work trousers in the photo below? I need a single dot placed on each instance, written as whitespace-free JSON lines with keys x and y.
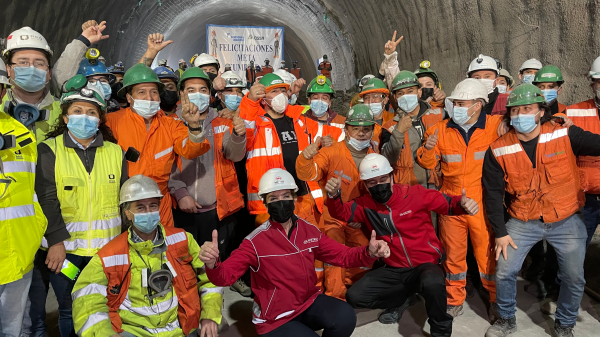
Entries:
{"x":388,"y":287}
{"x":334,"y":316}
{"x":201,"y":225}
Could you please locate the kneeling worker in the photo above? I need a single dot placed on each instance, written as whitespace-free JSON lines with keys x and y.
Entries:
{"x":145,"y":282}
{"x":415,"y":252}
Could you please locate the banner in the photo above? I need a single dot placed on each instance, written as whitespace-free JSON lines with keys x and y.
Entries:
{"x":238,"y":45}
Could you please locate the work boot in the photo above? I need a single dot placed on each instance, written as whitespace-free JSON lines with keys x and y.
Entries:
{"x":563,"y":330}
{"x":493,"y":312}
{"x":240,"y":287}
{"x":548,"y":307}
{"x":393,"y":315}
{"x":502,"y":327}
{"x":455,"y":310}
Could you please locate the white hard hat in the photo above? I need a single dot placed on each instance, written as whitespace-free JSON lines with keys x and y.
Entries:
{"x":3,"y":73}
{"x":285,"y":76}
{"x":205,"y":59}
{"x":595,"y":69}
{"x":374,"y":165}
{"x":531,"y":64}
{"x":139,"y":187}
{"x":469,"y":89}
{"x":26,"y":38}
{"x":276,"y":180}
{"x":232,"y":80}
{"x":364,"y":80}
{"x":483,"y":62}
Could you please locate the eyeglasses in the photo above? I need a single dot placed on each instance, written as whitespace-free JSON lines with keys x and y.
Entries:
{"x":93,"y":81}
{"x":36,"y":64}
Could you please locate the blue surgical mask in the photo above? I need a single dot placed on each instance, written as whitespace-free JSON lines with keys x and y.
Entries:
{"x":83,"y":126}
{"x":145,"y":108}
{"x":232,"y":102}
{"x":408,"y":103}
{"x":528,"y":78}
{"x":30,"y":79}
{"x":319,"y":107}
{"x":102,"y":88}
{"x":524,"y":123}
{"x":200,"y":100}
{"x":376,"y":108}
{"x":146,"y":222}
{"x":550,"y":95}
{"x":461,"y":114}
{"x":359,"y":145}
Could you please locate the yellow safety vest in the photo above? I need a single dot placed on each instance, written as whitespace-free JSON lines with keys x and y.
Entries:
{"x":89,"y":203}
{"x":22,"y":222}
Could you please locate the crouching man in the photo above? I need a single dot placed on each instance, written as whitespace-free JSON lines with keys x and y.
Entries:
{"x":401,"y":216}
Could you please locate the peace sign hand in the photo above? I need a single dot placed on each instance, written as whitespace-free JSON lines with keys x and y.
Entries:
{"x":190,"y":112}
{"x":390,"y":46}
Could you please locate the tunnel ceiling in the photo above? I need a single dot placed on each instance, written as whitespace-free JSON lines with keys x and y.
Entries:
{"x":449,"y":33}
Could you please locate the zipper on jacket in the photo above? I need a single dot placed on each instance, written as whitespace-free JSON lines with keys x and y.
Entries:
{"x":389,"y":229}
{"x":400,"y":236}
{"x":437,"y":250}
{"x":89,"y":248}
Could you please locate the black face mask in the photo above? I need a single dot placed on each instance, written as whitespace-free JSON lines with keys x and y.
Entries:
{"x":115,"y":87}
{"x":212,"y":76}
{"x":168,"y":100}
{"x":281,"y":211}
{"x":426,"y":93}
{"x":381,"y":193}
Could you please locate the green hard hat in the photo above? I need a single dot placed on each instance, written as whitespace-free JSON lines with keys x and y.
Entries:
{"x":360,"y":114}
{"x":137,"y":74}
{"x":77,"y":91}
{"x":272,"y":81}
{"x":405,"y":79}
{"x":194,"y":72}
{"x":525,"y":94}
{"x":325,"y":57}
{"x":374,"y":85}
{"x":548,"y":73}
{"x":320,"y":84}
{"x":424,"y":70}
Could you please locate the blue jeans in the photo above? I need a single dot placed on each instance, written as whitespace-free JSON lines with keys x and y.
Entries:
{"x":591,"y":212}
{"x":568,"y":239}
{"x":13,"y":299}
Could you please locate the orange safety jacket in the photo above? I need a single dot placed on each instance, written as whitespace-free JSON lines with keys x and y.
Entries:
{"x":227,"y":188}
{"x":263,"y":147}
{"x":461,"y":164}
{"x":157,"y":146}
{"x":116,"y":264}
{"x":552,"y":190}
{"x":585,"y":116}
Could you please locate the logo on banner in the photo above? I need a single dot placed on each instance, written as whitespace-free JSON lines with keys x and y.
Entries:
{"x":256,"y":38}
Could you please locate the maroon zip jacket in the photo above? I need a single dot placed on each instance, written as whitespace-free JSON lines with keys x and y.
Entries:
{"x":283,"y":270}
{"x":404,"y":222}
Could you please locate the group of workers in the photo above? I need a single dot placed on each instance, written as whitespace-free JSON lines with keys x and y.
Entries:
{"x":139,"y":193}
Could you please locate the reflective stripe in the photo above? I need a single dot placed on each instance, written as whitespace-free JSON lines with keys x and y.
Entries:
{"x":456,"y":277}
{"x":319,"y":270}
{"x":115,"y":260}
{"x":437,"y":111}
{"x":254,"y":197}
{"x":487,"y":277}
{"x":581,"y":113}
{"x":300,"y":123}
{"x":480,"y":155}
{"x":250,"y":124}
{"x":35,"y":199}
{"x":452,"y":158}
{"x":15,"y":212}
{"x":206,"y":291}
{"x":83,"y":243}
{"x":264,"y":152}
{"x":175,"y":238}
{"x":365,"y":268}
{"x":73,"y":227}
{"x":347,"y":177}
{"x":170,"y":327}
{"x":92,"y":320}
{"x":163,"y":153}
{"x":546,"y":137}
{"x":342,"y":136}
{"x":317,"y":193}
{"x":319,"y":132}
{"x":268,"y":138}
{"x":153,"y":310}
{"x":287,"y":313}
{"x":184,"y":142}
{"x":18,"y":167}
{"x":90,"y":289}
{"x":338,"y":125}
{"x":510,"y":149}
{"x":220,"y":129}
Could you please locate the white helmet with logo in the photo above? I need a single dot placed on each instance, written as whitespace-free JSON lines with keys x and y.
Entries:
{"x":531,"y":64}
{"x":595,"y":69}
{"x":139,"y":187}
{"x":287,"y":77}
{"x":3,"y":73}
{"x":374,"y":165}
{"x":469,"y":89}
{"x":276,"y":180}
{"x":232,"y":80}
{"x":204,"y":59}
{"x":483,"y":62}
{"x":26,"y":38}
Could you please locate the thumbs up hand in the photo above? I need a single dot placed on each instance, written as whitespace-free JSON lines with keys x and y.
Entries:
{"x":209,"y":252}
{"x":312,"y":150}
{"x":378,"y":248}
{"x":334,"y":185}
{"x":432,"y":140}
{"x":469,"y":205}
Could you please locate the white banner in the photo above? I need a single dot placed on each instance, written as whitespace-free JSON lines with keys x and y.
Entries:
{"x":238,"y":45}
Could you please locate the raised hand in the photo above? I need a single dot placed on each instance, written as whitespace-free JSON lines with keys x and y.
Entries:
{"x":502,"y":128}
{"x":257,"y":92}
{"x":438,"y":94}
{"x":334,"y":185}
{"x":431,"y":140}
{"x":219,"y":83}
{"x":326,"y":141}
{"x":312,"y":150}
{"x":469,"y":205}
{"x":209,"y":252}
{"x":404,"y":123}
{"x":156,"y":42}
{"x":94,"y":33}
{"x":190,"y":113}
{"x":297,"y":85}
{"x":391,"y":45}
{"x":88,"y":24}
{"x":238,"y":125}
{"x":378,"y":248}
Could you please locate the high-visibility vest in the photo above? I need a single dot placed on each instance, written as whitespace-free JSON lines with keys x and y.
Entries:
{"x":585,"y":116}
{"x":89,"y":203}
{"x":22,"y":222}
{"x":551,"y":191}
{"x":115,"y":263}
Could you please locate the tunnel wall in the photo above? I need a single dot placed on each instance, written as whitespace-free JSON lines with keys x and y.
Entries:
{"x":449,"y":33}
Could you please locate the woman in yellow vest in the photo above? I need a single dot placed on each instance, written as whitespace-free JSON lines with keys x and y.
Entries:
{"x":79,"y":174}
